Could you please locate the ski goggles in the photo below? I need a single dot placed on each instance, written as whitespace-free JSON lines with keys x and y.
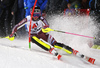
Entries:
{"x":36,"y":15}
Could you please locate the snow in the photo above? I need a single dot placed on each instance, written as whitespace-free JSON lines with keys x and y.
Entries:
{"x":16,"y":54}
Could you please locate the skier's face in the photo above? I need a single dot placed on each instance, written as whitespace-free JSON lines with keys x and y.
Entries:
{"x":35,"y":18}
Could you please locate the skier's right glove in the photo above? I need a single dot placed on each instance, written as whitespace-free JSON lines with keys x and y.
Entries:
{"x":12,"y":36}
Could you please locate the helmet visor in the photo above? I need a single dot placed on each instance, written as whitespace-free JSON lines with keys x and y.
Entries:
{"x":36,"y":14}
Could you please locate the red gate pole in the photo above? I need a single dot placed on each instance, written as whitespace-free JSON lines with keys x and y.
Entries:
{"x":30,"y":24}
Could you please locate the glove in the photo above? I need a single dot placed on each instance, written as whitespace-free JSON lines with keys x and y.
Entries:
{"x":46,"y":26}
{"x":12,"y":36}
{"x":46,"y":30}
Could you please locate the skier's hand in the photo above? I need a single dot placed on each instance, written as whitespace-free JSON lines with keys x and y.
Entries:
{"x":12,"y":36}
{"x":46,"y":30}
{"x":46,"y":26}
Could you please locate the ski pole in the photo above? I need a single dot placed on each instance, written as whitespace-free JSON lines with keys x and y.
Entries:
{"x":49,"y":29}
{"x":75,"y":34}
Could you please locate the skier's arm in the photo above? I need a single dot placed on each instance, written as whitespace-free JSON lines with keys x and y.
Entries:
{"x":45,"y":23}
{"x":18,"y":26}
{"x":45,"y":26}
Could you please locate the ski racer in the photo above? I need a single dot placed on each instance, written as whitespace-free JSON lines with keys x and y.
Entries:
{"x":38,"y":36}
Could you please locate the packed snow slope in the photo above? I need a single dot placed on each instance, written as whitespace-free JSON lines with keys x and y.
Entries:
{"x":16,"y":54}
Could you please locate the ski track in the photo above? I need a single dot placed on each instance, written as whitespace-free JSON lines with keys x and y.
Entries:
{"x":20,"y":56}
{"x":16,"y":54}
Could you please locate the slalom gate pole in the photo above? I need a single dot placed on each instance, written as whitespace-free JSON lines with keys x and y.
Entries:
{"x":30,"y":24}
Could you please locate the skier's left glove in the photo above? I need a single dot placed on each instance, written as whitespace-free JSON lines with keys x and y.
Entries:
{"x":46,"y":26}
{"x":46,"y":30}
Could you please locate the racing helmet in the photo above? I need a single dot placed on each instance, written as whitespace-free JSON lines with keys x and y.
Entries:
{"x":37,"y":11}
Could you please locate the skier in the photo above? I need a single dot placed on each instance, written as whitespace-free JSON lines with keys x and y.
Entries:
{"x":38,"y":26}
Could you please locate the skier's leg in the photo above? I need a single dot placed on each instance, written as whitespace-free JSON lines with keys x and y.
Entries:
{"x":55,"y":44}
{"x":74,"y":52}
{"x":65,"y":48}
{"x":41,"y":44}
{"x":68,"y":49}
{"x":45,"y":46}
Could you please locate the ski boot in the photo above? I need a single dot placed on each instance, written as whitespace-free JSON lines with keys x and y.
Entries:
{"x":55,"y":53}
{"x":89,"y":59}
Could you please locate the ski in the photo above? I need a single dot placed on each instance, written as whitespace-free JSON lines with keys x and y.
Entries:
{"x":52,"y":51}
{"x":89,"y":59}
